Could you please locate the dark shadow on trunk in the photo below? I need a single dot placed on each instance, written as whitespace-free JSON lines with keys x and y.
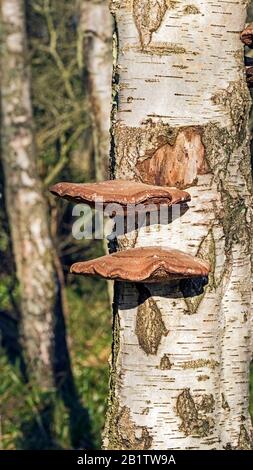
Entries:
{"x":9,"y":314}
{"x":37,"y":433}
{"x":9,"y":341}
{"x":80,"y":428}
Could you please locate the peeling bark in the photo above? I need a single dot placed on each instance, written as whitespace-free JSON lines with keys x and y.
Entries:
{"x":176,"y":165}
{"x":182,"y":116}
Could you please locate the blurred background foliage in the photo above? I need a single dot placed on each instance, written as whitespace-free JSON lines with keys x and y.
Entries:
{"x":30,"y":419}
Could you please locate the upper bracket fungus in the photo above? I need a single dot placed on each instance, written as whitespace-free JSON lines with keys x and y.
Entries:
{"x":147,"y":265}
{"x":247,"y":35}
{"x":120,"y":192}
{"x":247,"y":39}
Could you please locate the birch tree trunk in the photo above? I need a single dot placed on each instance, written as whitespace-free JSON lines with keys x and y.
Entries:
{"x":180,"y":366}
{"x":96,"y":28}
{"x":39,"y":284}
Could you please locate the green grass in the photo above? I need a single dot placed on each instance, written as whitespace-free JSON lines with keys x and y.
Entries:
{"x":89,"y":327}
{"x":30,"y":419}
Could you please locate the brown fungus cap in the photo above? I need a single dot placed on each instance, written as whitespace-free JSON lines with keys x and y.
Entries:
{"x":247,"y":35}
{"x":121,"y":192}
{"x":249,"y":76}
{"x":149,"y":264}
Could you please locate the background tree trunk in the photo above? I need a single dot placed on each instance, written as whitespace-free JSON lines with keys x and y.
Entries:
{"x":181,"y":355}
{"x":34,"y":253}
{"x":96,"y":31}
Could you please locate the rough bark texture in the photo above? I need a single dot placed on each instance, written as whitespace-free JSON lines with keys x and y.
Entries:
{"x":96,"y":27}
{"x":39,"y":285}
{"x":182,"y":380}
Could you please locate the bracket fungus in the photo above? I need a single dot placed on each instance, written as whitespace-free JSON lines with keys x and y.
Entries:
{"x":147,"y":265}
{"x":119,"y":192}
{"x":247,"y":36}
{"x":249,"y":76}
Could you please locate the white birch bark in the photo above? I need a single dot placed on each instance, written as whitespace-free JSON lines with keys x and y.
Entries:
{"x":180,"y":367}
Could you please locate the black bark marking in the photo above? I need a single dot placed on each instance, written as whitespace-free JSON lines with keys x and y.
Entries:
{"x":165,"y":363}
{"x":224,"y":403}
{"x":203,"y":378}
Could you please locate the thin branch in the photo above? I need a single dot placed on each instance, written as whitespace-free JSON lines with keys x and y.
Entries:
{"x":54,"y":53}
{"x":64,"y":156}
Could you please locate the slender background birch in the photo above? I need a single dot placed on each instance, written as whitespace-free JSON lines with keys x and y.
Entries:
{"x":33,"y":248}
{"x":95,"y":29}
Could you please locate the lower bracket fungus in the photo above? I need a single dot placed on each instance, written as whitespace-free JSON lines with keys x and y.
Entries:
{"x":147,"y":265}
